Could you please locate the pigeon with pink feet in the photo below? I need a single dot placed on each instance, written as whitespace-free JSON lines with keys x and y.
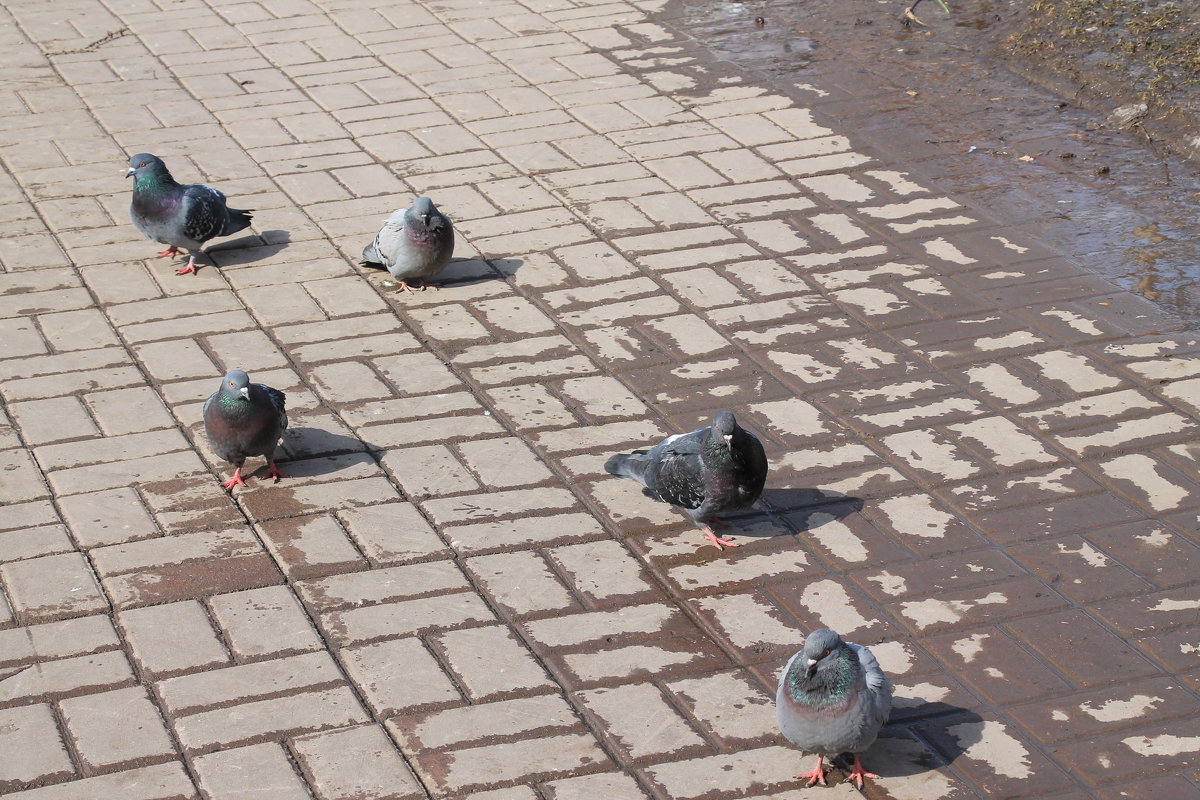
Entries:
{"x":244,"y":419}
{"x":707,"y":472}
{"x":414,"y":244}
{"x":178,"y":215}
{"x":833,"y":698}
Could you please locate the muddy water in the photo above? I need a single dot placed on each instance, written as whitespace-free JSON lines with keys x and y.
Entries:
{"x":979,"y":130}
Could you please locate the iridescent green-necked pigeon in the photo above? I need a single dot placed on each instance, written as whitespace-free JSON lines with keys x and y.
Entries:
{"x":178,"y":215}
{"x":244,"y":419}
{"x":833,"y":698}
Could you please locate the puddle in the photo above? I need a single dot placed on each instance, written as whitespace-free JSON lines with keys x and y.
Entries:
{"x":1104,"y":198}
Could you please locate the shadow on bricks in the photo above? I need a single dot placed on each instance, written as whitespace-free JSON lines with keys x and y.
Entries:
{"x":810,"y":502}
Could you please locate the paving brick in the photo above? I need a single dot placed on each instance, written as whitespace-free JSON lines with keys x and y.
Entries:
{"x":261,"y":770}
{"x":388,"y":691}
{"x":490,"y":661}
{"x":239,"y":684}
{"x":53,"y":419}
{"x":121,"y":727}
{"x":429,"y":471}
{"x":392,"y":533}
{"x":184,"y":566}
{"x":267,"y":719}
{"x":51,"y":640}
{"x":69,"y":676}
{"x":261,"y":623}
{"x":503,"y":463}
{"x":520,"y":583}
{"x":172,"y":638}
{"x":33,"y":749}
{"x":52,"y":587}
{"x":402,"y":618}
{"x":640,"y":721}
{"x":309,"y":546}
{"x":453,"y":727}
{"x":759,"y":769}
{"x":160,"y":782}
{"x":375,"y":771}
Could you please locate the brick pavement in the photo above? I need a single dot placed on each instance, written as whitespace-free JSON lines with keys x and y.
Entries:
{"x":983,"y":456}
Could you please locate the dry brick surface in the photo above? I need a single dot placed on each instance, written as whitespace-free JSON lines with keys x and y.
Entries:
{"x":983,"y":457}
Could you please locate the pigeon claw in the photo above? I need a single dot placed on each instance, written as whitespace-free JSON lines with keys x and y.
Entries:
{"x":189,"y":269}
{"x":858,"y":773}
{"x":816,"y":776}
{"x":405,"y":287}
{"x":273,"y":472}
{"x":236,"y":480}
{"x":720,"y":542}
{"x":170,"y":251}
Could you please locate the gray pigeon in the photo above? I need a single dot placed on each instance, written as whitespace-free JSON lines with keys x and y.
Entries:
{"x":177,"y":215}
{"x":706,"y":472}
{"x":245,"y":419}
{"x":414,"y":243}
{"x":833,"y":698}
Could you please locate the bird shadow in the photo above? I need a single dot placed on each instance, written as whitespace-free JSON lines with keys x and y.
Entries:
{"x":249,"y":249}
{"x":807,"y":502}
{"x":914,"y":746}
{"x":465,"y":271}
{"x":314,"y":451}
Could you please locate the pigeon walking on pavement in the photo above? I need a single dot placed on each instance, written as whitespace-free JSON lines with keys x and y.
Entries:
{"x":244,"y":419}
{"x":178,"y":215}
{"x":833,"y":698}
{"x":413,"y":244}
{"x":706,"y":472}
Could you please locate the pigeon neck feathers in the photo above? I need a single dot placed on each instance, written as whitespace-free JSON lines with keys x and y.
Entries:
{"x":829,"y":683}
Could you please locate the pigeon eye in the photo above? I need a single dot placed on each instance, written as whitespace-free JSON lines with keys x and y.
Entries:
{"x":231,"y":384}
{"x":143,"y":163}
{"x":826,"y":651}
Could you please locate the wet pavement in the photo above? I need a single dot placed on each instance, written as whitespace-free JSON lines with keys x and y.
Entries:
{"x":983,"y":451}
{"x":1108,"y":198}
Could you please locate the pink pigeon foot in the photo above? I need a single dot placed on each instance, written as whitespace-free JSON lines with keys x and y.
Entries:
{"x":405,"y":287}
{"x":720,"y":542}
{"x":816,"y":776}
{"x":858,"y":773}
{"x":236,"y":480}
{"x":273,"y":472}
{"x":190,"y":269}
{"x":170,"y":251}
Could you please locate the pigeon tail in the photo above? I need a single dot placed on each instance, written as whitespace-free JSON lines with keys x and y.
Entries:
{"x":371,"y":255}
{"x":236,"y":221}
{"x":632,"y":466}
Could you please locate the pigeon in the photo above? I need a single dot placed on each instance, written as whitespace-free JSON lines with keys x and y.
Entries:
{"x":414,"y":243}
{"x":177,"y":215}
{"x":245,"y":419}
{"x":833,"y":698}
{"x":706,"y":472}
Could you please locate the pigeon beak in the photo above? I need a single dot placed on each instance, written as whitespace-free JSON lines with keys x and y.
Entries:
{"x":728,"y":437}
{"x":812,"y":669}
{"x":129,"y":172}
{"x":245,"y":392}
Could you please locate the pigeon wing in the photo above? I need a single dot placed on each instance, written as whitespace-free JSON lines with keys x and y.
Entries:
{"x":878,"y":685}
{"x":388,"y":241}
{"x":204,"y":212}
{"x":279,"y":402}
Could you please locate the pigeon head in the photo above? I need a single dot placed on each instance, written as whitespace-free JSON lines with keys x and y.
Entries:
{"x":819,"y":646}
{"x":724,"y":425}
{"x":143,"y":164}
{"x":425,"y":212}
{"x":237,"y":382}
